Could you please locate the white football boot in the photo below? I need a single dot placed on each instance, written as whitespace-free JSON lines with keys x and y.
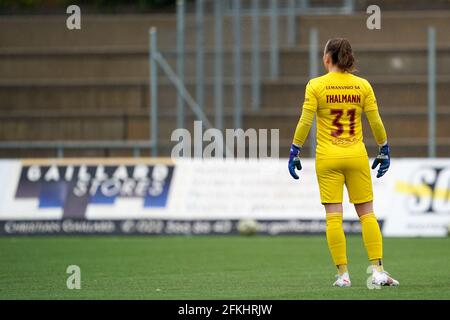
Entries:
{"x":383,"y":278}
{"x":342,"y":280}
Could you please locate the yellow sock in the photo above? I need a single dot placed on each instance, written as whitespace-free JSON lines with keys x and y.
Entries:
{"x":377,"y":264}
{"x":342,"y":268}
{"x":336,"y":240}
{"x":372,"y":239}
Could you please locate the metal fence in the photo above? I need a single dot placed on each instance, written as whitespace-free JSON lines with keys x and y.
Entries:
{"x":273,"y":9}
{"x":195,"y":101}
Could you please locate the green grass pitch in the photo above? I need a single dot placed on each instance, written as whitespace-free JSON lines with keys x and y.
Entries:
{"x":231,"y":267}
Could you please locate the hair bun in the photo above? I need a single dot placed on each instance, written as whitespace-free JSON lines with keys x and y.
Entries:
{"x":341,"y":54}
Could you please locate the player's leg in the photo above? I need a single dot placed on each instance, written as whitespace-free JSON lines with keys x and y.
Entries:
{"x":336,"y":236}
{"x":331,"y":183}
{"x":373,"y":241}
{"x":359,"y":186}
{"x":337,"y":243}
{"x":371,"y":233}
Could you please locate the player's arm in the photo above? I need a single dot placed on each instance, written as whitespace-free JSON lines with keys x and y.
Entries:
{"x":303,"y":126}
{"x":301,"y":131}
{"x":378,"y":131}
{"x":377,"y":127}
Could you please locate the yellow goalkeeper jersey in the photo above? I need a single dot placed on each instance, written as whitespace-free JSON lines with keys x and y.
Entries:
{"x":339,"y":99}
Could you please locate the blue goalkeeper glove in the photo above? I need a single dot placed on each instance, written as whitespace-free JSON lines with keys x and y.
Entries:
{"x":384,"y":159}
{"x":294,"y":161}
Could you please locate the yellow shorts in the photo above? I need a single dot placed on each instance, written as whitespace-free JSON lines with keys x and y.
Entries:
{"x":332,"y":174}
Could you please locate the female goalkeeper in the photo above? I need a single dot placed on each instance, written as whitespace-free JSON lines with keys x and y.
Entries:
{"x":339,"y":98}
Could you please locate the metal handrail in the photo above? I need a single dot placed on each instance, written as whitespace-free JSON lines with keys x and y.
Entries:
{"x":60,"y":145}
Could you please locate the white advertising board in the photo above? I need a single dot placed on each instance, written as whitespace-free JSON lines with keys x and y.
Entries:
{"x":209,"y":196}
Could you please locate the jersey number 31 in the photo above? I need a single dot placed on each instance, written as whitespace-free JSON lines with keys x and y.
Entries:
{"x":338,"y":113}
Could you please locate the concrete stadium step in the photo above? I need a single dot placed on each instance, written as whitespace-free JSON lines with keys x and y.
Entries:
{"x":56,"y":128}
{"x":116,"y":125}
{"x":412,"y":126}
{"x":408,"y":92}
{"x":109,"y":63}
{"x":97,"y":94}
{"x":397,"y":28}
{"x":74,"y":94}
{"x":91,"y":125}
{"x":359,"y":5}
{"x":405,"y":28}
{"x":120,"y":30}
{"x":373,"y":60}
{"x":96,"y":30}
{"x":113,"y":63}
{"x":133,"y":93}
{"x":388,"y":5}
